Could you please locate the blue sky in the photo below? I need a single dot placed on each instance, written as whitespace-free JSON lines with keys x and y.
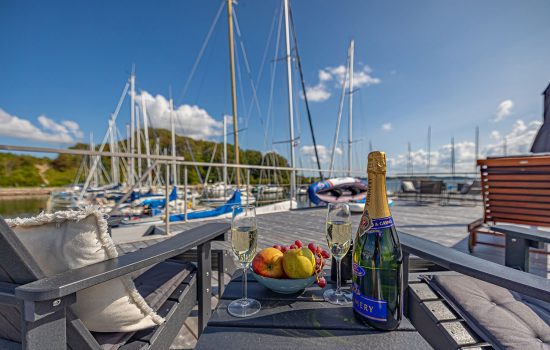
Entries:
{"x":445,"y":64}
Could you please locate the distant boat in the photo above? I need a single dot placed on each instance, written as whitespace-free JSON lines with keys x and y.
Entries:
{"x":62,"y":200}
{"x":337,"y":190}
{"x":201,"y":214}
{"x":218,"y":194}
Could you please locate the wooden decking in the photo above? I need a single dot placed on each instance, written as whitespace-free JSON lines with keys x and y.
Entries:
{"x":442,"y":224}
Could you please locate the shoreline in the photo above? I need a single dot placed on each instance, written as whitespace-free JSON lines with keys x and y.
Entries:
{"x":25,"y":192}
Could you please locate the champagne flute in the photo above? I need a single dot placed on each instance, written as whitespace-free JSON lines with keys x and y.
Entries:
{"x":244,"y":239}
{"x":339,"y":241}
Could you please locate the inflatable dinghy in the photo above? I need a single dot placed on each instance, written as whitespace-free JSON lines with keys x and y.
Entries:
{"x":337,"y":190}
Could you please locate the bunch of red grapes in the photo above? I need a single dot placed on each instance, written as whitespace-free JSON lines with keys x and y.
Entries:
{"x":320,"y":256}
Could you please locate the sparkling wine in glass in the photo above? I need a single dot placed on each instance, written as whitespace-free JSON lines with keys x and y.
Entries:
{"x":338,"y":230}
{"x":244,"y":240}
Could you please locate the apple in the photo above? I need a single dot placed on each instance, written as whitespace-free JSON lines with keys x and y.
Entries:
{"x":269,"y":263}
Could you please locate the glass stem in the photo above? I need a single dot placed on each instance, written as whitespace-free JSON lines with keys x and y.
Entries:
{"x":338,"y":282}
{"x":245,"y":280}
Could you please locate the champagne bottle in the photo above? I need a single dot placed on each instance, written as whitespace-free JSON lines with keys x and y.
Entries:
{"x":377,"y":258}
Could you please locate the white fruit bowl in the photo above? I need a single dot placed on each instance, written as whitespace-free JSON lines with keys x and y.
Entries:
{"x":284,"y":285}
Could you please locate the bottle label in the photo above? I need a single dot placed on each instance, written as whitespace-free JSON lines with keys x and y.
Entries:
{"x":368,"y":307}
{"x":381,"y":223}
{"x":358,"y":270}
{"x":368,"y":225}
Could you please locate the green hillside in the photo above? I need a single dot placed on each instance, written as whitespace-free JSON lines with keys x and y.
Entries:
{"x":28,"y":171}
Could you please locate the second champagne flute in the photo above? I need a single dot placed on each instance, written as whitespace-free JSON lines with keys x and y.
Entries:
{"x":338,"y":232}
{"x":244,"y":240}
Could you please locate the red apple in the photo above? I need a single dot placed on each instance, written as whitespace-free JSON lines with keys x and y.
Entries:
{"x":269,"y":263}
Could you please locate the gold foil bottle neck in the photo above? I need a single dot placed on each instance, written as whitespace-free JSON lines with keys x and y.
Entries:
{"x":376,"y":162}
{"x":377,"y":202}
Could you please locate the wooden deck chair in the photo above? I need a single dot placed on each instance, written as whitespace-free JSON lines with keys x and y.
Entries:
{"x":475,"y":304}
{"x":431,"y":189}
{"x":35,"y":311}
{"x":515,"y":190}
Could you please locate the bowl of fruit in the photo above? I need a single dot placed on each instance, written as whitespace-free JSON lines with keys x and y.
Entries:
{"x":290,"y":269}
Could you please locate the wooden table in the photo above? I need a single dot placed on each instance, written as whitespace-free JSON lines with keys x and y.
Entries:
{"x":297,"y":321}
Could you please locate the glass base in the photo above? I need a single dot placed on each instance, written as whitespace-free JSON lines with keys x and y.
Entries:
{"x":342,"y":298}
{"x":244,"y":307}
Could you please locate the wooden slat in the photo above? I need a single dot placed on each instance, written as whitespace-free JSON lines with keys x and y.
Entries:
{"x":516,"y":169}
{"x":518,"y":177}
{"x":521,"y":191}
{"x":518,"y":222}
{"x":515,"y":161}
{"x":518,"y":198}
{"x":519,"y":210}
{"x":532,"y":218}
{"x":516,"y":184}
{"x":515,"y":204}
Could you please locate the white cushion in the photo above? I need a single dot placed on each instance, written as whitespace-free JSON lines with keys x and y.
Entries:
{"x":71,"y":239}
{"x":407,"y":186}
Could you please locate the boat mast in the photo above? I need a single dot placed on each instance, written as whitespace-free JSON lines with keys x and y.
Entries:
{"x":128,"y":149}
{"x":233,"y":90}
{"x":224,"y":154}
{"x":132,"y":126}
{"x":290,"y":105}
{"x":158,"y":179}
{"x":339,"y":119}
{"x":300,"y":70}
{"x":477,"y":149}
{"x":429,"y":149}
{"x":172,"y":125}
{"x":146,"y":131}
{"x":92,"y":168}
{"x":350,"y":91}
{"x":114,"y":160}
{"x":453,"y":156}
{"x":138,"y":144}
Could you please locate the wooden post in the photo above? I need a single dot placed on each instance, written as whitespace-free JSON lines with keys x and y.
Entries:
{"x":185,"y":192}
{"x":204,"y":285}
{"x":247,"y":186}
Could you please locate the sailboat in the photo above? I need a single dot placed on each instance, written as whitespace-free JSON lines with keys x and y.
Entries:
{"x":342,"y":189}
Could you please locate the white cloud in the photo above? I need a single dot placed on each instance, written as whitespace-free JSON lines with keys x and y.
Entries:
{"x":324,"y":75}
{"x":50,"y":125}
{"x":361,"y":77}
{"x":191,"y":121}
{"x":324,"y":152}
{"x":317,"y":93}
{"x":495,"y":135}
{"x":74,"y":128}
{"x":440,"y":160}
{"x":518,"y":141}
{"x":49,"y":130}
{"x":322,"y":90}
{"x":503,"y":110}
{"x":387,"y":127}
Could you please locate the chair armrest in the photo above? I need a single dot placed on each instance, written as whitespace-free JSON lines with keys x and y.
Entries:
{"x":528,"y":233}
{"x":452,"y":259}
{"x":72,"y":281}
